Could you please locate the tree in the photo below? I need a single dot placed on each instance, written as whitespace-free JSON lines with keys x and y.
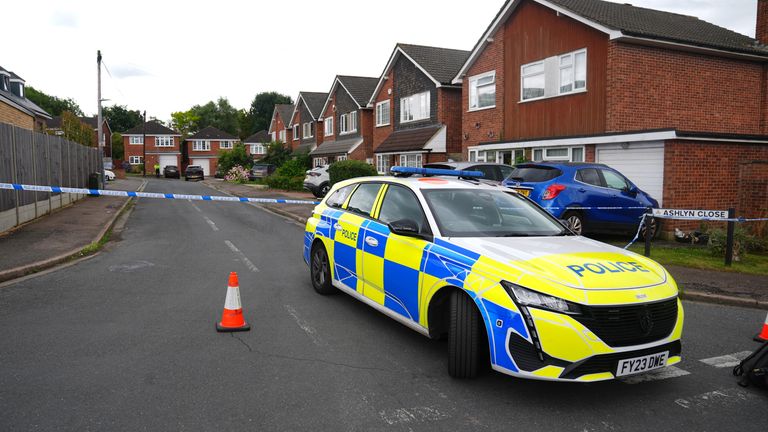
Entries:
{"x":185,"y":122}
{"x":121,"y":118}
{"x":53,"y":105}
{"x":277,"y":154}
{"x":220,"y":114}
{"x":118,"y":151}
{"x":260,"y":113}
{"x":75,"y":130}
{"x":234,"y":157}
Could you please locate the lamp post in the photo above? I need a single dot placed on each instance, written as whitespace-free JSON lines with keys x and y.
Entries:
{"x":144,"y":143}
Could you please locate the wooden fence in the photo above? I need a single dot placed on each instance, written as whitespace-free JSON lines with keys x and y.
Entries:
{"x":28,"y":157}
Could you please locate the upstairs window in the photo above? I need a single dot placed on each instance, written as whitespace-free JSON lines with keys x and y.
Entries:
{"x":348,"y":123}
{"x":201,"y":145}
{"x":482,"y":91}
{"x":296,"y":132}
{"x":136,"y":140}
{"x":382,"y":113}
{"x":257,"y":149}
{"x":533,"y":81}
{"x":554,"y":76}
{"x":328,"y":126}
{"x":414,"y":107}
{"x":308,"y":131}
{"x":282,"y":135}
{"x":163,"y":141}
{"x":225,"y":145}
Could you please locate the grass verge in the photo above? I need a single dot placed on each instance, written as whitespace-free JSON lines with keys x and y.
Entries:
{"x":702,"y":258}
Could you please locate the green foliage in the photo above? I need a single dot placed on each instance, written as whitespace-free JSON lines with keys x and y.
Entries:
{"x":520,"y":159}
{"x":220,"y":114}
{"x":53,"y":105}
{"x":184,"y":122}
{"x":743,"y":242}
{"x":121,"y":118}
{"x":118,"y":151}
{"x":259,"y":114}
{"x":75,"y":130}
{"x":290,"y":176}
{"x":348,"y":169}
{"x":228,"y":159}
{"x":277,"y":154}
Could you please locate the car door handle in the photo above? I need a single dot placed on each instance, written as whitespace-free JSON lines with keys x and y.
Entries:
{"x":371,"y":241}
{"x":582,"y":190}
{"x":337,"y":226}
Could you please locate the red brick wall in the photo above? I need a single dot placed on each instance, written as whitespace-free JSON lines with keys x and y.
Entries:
{"x":367,"y":121}
{"x":589,"y":153}
{"x":296,"y":120}
{"x":449,"y":110}
{"x":381,"y":133}
{"x":490,"y":120}
{"x":761,"y":26}
{"x":712,"y":176}
{"x":651,"y":88}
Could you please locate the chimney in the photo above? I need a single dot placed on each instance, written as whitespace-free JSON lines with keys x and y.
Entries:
{"x":761,"y":27}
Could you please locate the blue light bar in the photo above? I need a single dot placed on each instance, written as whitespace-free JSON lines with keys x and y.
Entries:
{"x":434,"y":172}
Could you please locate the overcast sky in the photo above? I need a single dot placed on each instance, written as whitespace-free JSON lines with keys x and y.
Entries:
{"x":168,"y":56}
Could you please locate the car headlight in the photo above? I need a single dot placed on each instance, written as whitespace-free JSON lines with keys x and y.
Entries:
{"x":527,"y":297}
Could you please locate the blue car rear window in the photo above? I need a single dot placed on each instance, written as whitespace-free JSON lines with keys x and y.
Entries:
{"x":534,"y":174}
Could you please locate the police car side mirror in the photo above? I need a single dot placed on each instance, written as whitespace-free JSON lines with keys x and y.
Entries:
{"x":408,"y":228}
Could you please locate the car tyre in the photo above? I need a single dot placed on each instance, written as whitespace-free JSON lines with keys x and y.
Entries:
{"x":320,"y":270}
{"x":575,"y":221}
{"x":324,"y":188}
{"x":464,"y":337}
{"x":654,"y":224}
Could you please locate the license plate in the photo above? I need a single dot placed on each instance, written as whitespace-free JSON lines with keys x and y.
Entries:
{"x":642,"y":364}
{"x":523,"y":192}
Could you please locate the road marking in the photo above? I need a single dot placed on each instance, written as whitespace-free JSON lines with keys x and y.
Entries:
{"x":411,"y":415}
{"x":195,"y":206}
{"x":311,"y":332}
{"x":242,"y":256}
{"x":210,"y":222}
{"x":657,"y":375}
{"x":718,"y":398}
{"x":726,"y":361}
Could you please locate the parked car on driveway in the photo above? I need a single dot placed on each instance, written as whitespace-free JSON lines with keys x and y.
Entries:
{"x":317,"y":181}
{"x":492,"y":171}
{"x":109,"y":175}
{"x":171,"y":171}
{"x":558,"y":186}
{"x":194,"y":172}
{"x":259,"y":171}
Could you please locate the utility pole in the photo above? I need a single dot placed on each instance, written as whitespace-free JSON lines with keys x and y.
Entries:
{"x":144,"y":143}
{"x":99,"y":132}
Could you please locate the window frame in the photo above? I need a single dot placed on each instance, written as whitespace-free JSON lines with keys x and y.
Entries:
{"x":473,"y":80}
{"x":163,"y":141}
{"x":380,"y":158}
{"x":569,"y":158}
{"x":328,"y":124}
{"x":135,"y":140}
{"x":523,"y":76}
{"x":230,"y":145}
{"x":307,"y":126}
{"x":255,"y":147}
{"x":201,"y":145}
{"x":416,"y":96}
{"x":572,"y":66}
{"x":138,"y":158}
{"x":342,"y":157}
{"x":379,"y":114}
{"x":296,"y":135}
{"x":419,"y":158}
{"x":281,"y":135}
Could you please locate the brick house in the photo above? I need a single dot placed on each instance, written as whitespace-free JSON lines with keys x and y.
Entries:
{"x":163,"y":146}
{"x":256,"y":144}
{"x":417,"y":111}
{"x":675,"y":103}
{"x":279,"y":126}
{"x":306,"y":122}
{"x":347,"y":121}
{"x":15,"y":108}
{"x":203,"y":147}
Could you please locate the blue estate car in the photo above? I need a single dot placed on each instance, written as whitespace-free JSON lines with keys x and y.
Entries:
{"x":561,"y":186}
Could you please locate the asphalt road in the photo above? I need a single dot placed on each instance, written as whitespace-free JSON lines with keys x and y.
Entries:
{"x":126,"y":341}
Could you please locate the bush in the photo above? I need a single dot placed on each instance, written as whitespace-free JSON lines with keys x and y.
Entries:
{"x":277,"y":154}
{"x":743,"y":242}
{"x":237,"y":174}
{"x":348,"y":169}
{"x":229,"y":159}
{"x":290,"y":176}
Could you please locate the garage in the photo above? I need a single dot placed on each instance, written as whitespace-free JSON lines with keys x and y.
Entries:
{"x":205,"y":163}
{"x":167,"y":160}
{"x":642,"y":163}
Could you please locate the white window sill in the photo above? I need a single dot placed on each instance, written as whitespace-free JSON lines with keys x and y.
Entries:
{"x":414,"y":120}
{"x":347,"y":133}
{"x":382,"y":125}
{"x":481,"y":109}
{"x":554,"y":96}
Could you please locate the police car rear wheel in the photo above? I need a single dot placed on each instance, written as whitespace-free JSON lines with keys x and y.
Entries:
{"x":464,"y":337}
{"x":320,"y":270}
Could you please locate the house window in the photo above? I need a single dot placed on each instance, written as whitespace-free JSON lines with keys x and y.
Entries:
{"x":163,"y":141}
{"x":533,"y":81}
{"x":411,"y":160}
{"x":201,"y":145}
{"x":382,"y":113}
{"x":328,"y":126}
{"x":573,"y":72}
{"x":341,"y":157}
{"x":320,"y":161}
{"x":482,"y":91}
{"x":137,"y":140}
{"x":225,"y":145}
{"x":382,"y":164}
{"x":296,"y":135}
{"x":414,"y":107}
{"x":282,"y":135}
{"x":564,"y":154}
{"x":272,"y":135}
{"x":348,"y":123}
{"x":257,"y":149}
{"x":308,"y":131}
{"x":134,"y":160}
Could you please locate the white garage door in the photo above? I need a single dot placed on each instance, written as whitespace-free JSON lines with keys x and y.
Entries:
{"x":643,"y":163}
{"x":205,"y":163}
{"x":167,"y":160}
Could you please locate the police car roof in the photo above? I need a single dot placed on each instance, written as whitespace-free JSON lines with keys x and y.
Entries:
{"x":436,"y":182}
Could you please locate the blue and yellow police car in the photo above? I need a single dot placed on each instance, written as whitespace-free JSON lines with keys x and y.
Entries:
{"x":508,"y":284}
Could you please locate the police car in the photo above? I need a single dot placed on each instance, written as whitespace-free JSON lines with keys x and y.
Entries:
{"x":507,"y":283}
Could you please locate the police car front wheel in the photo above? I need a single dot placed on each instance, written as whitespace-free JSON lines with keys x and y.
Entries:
{"x":465,"y":340}
{"x":320,"y":270}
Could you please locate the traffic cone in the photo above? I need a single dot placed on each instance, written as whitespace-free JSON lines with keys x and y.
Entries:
{"x":763,"y":335}
{"x":232,"y":318}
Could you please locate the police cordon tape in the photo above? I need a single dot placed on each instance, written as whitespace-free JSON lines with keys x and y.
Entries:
{"x":83,"y":191}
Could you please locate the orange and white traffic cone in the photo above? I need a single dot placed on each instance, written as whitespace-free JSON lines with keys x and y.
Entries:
{"x":763,"y":335}
{"x":232,"y":318}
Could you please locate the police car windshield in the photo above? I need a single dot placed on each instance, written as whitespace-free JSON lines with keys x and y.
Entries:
{"x":488,"y":213}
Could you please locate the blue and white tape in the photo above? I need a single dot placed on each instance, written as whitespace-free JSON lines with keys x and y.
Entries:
{"x":130,"y":194}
